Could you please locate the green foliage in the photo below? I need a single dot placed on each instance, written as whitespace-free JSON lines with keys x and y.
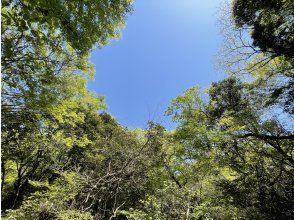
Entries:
{"x":271,"y":23}
{"x":50,"y":201}
{"x":45,"y":100}
{"x":236,"y":131}
{"x":230,"y":156}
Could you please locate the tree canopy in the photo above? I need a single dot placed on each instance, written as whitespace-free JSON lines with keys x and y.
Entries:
{"x":63,"y":157}
{"x":271,"y":23}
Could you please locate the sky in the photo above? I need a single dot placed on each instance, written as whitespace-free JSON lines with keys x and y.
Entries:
{"x":166,"y":47}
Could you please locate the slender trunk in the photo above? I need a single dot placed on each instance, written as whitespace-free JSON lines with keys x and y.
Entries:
{"x":17,"y":186}
{"x":2,"y":174}
{"x":188,"y":212}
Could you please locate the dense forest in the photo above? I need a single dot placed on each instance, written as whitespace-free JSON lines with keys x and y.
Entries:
{"x":64,"y":157}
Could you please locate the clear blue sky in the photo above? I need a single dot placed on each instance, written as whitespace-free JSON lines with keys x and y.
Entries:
{"x":166,"y":47}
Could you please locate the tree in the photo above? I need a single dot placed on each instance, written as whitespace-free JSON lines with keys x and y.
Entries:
{"x":271,"y":24}
{"x":251,"y":153}
{"x":45,"y":41}
{"x":111,"y":172}
{"x":45,"y":68}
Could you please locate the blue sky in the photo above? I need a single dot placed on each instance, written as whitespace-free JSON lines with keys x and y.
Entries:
{"x":166,"y":47}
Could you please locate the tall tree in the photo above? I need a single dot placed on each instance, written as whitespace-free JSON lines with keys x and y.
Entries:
{"x":45,"y":68}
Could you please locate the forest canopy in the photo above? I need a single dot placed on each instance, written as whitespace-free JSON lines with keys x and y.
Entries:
{"x":63,"y":157}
